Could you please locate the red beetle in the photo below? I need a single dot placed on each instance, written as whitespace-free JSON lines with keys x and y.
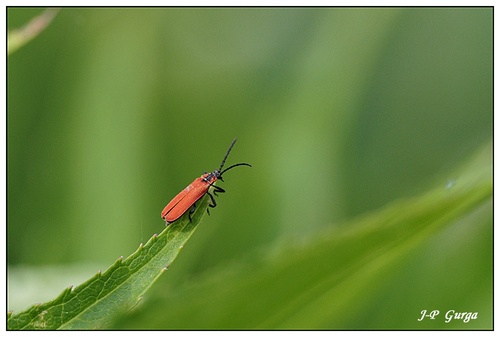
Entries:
{"x":195,"y":191}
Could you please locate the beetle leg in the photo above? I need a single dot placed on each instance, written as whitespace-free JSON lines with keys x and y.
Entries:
{"x":218,"y":189}
{"x":212,"y":200}
{"x":191,"y":211}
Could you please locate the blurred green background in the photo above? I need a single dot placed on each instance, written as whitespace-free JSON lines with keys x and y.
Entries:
{"x":112,"y":112}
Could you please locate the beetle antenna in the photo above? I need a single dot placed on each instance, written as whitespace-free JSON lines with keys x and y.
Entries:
{"x":227,"y":154}
{"x":230,"y":167}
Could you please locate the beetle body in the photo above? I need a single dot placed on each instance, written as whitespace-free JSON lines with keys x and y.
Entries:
{"x":187,"y":198}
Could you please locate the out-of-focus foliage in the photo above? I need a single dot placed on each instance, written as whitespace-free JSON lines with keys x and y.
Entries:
{"x":111,"y":112}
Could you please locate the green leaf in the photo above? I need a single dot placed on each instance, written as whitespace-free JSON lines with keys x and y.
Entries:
{"x":324,"y":282}
{"x":96,"y":302}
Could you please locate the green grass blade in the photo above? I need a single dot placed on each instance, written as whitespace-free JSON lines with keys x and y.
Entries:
{"x":96,"y":302}
{"x":19,"y":37}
